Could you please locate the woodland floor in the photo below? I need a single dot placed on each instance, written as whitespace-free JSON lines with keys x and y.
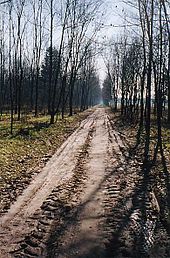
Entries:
{"x":91,"y":200}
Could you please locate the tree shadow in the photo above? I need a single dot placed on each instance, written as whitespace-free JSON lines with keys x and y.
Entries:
{"x":139,"y":199}
{"x":27,"y":131}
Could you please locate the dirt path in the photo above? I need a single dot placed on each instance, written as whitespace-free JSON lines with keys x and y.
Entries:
{"x":87,"y":202}
{"x":18,"y":221}
{"x":84,"y":238}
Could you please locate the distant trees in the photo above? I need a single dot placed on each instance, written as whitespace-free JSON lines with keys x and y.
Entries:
{"x":106,"y":90}
{"x":2,"y":67}
{"x":89,"y":86}
{"x":48,"y":48}
{"x":48,"y":71}
{"x":138,"y":72}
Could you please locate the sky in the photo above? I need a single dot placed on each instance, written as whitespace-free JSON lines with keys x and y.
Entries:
{"x":117,"y":15}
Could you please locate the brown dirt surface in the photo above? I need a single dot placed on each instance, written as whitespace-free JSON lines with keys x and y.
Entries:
{"x":22,"y":157}
{"x":91,"y":200}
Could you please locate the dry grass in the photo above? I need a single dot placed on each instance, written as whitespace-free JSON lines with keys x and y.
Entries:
{"x":28,"y":149}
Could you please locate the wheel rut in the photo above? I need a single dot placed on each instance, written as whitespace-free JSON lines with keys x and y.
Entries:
{"x":92,"y":200}
{"x":83,"y":236}
{"x":28,"y":213}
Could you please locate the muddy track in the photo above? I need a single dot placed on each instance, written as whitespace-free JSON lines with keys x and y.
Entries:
{"x":55,"y":211}
{"x":132,"y":210}
{"x":92,"y":200}
{"x":23,"y":216}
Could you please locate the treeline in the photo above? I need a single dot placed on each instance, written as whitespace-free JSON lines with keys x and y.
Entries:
{"x":138,"y":72}
{"x":47,"y":57}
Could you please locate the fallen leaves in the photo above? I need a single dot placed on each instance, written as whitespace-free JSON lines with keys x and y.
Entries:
{"x":21,"y":156}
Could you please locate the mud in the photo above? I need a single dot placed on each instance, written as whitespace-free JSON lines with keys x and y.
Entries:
{"x":91,"y":200}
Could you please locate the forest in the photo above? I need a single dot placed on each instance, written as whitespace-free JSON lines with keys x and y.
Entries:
{"x":138,"y":72}
{"x":47,"y":58}
{"x":85,"y":128}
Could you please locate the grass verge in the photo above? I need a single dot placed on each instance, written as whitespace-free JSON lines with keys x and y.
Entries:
{"x":25,"y":153}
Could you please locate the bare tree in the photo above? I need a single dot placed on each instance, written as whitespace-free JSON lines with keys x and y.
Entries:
{"x":10,"y":66}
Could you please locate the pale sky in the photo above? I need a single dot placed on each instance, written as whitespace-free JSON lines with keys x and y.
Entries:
{"x":117,"y":15}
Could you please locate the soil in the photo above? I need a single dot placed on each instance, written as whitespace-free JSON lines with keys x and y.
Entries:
{"x":91,"y":200}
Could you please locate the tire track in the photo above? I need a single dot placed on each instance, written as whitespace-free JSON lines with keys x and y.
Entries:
{"x":132,"y":211}
{"x":23,"y":216}
{"x":105,"y":207}
{"x":81,"y":236}
{"x":55,"y":211}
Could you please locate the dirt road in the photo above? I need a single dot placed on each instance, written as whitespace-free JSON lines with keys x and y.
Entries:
{"x":85,"y":203}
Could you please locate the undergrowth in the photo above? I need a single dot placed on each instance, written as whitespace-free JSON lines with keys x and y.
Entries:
{"x":33,"y":142}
